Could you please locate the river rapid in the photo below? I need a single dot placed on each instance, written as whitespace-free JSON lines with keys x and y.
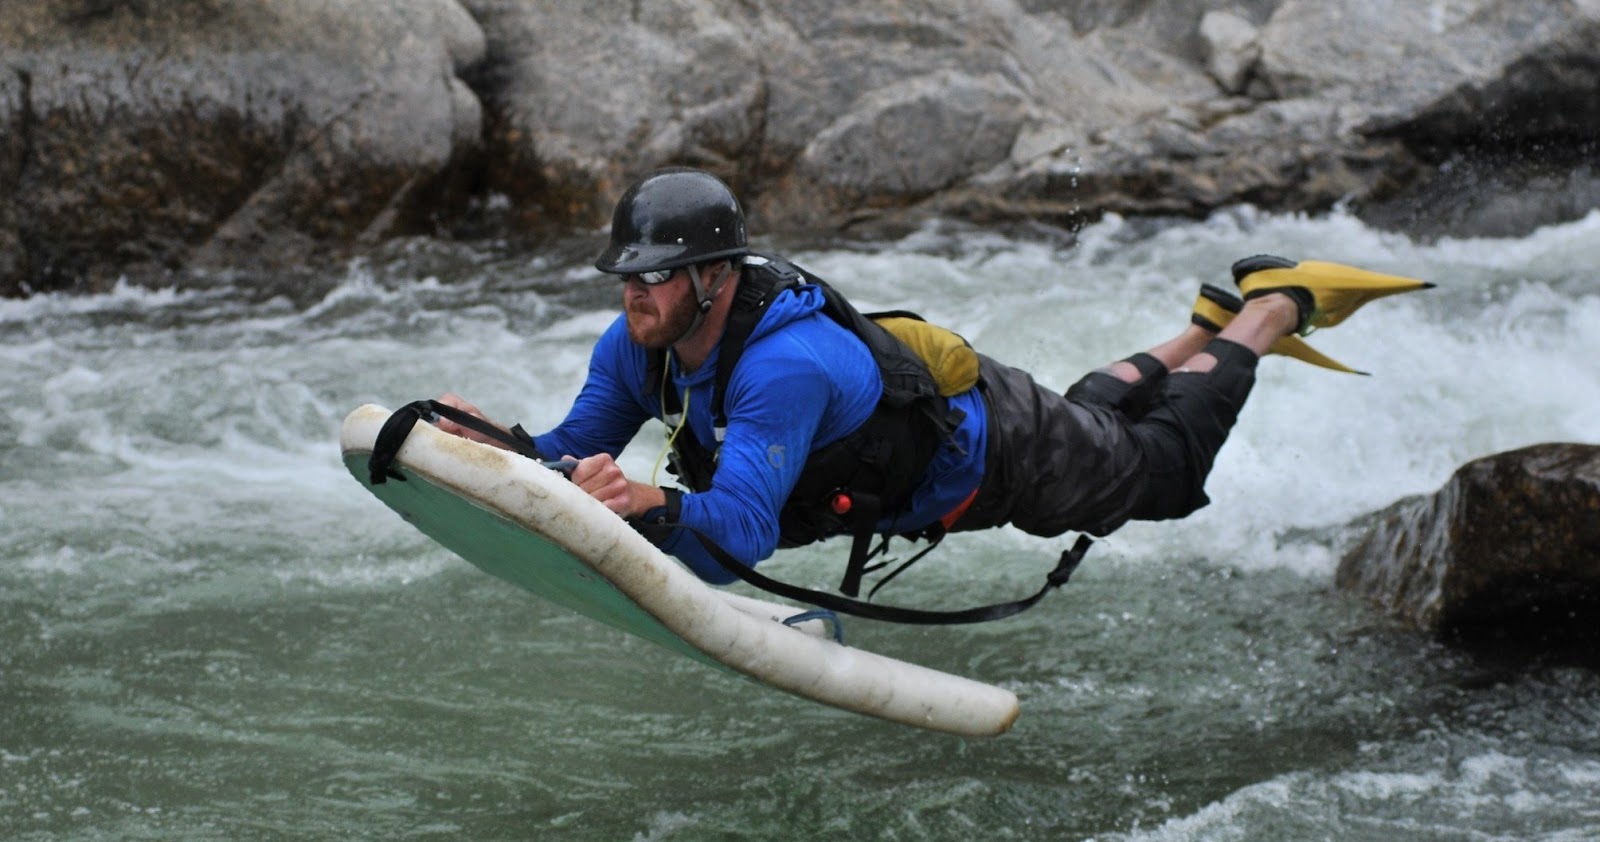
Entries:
{"x":208,"y":630}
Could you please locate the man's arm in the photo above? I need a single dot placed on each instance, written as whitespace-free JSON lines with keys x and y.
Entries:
{"x":777,"y":409}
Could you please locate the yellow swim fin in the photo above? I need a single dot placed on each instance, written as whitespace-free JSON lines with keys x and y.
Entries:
{"x":1215,"y":307}
{"x":1327,"y":293}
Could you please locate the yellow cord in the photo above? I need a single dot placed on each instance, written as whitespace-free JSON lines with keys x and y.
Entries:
{"x":683,"y":418}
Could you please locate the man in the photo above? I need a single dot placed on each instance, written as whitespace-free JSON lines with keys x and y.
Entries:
{"x":821,"y":427}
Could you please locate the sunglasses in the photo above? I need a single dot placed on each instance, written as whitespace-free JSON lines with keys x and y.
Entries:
{"x":651,"y":279}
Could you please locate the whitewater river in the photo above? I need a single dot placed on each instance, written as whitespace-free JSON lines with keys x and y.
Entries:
{"x":208,"y":630}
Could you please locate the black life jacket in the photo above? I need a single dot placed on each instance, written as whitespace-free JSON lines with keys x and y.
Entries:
{"x":849,"y":485}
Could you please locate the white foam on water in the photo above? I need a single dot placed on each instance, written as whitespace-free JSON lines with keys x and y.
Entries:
{"x":121,"y":294}
{"x":1494,"y":794}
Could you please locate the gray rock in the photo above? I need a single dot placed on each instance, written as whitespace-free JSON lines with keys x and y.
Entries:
{"x":203,"y":132}
{"x":1401,"y":60}
{"x":881,"y":149}
{"x":584,"y":96}
{"x":142,"y":136}
{"x":1507,"y":551}
{"x":1232,"y":49}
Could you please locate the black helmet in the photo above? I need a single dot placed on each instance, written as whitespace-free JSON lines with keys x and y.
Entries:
{"x":671,"y":218}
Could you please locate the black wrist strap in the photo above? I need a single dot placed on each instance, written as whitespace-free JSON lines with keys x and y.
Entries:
{"x":659,"y":523}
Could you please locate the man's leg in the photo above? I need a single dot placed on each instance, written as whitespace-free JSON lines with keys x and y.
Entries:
{"x":1128,"y":441}
{"x":1132,"y":386}
{"x":1136,"y":440}
{"x":1171,"y":354}
{"x":1199,"y":404}
{"x":1263,"y":321}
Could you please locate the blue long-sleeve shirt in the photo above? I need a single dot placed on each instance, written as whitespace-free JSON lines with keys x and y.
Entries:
{"x":803,"y":383}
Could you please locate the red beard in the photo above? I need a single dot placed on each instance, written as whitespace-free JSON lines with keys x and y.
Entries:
{"x":653,"y":328}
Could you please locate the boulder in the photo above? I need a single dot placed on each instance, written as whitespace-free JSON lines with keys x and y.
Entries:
{"x":1508,"y":551}
{"x":1233,"y":49}
{"x":159,"y":135}
{"x":1490,"y":102}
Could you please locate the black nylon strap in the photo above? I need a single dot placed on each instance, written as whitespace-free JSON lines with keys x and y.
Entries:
{"x":865,"y":511}
{"x":933,"y":544}
{"x":1069,"y":561}
{"x":750,"y":303}
{"x":380,"y":466}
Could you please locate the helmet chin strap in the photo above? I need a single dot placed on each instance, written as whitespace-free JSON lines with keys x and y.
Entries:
{"x":705,"y":297}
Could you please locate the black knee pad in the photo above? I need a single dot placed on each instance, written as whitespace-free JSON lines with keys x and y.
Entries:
{"x":1131,"y":399}
{"x":1235,"y":373}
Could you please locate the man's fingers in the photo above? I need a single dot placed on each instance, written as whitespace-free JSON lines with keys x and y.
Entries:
{"x":602,"y":478}
{"x":455,"y":401}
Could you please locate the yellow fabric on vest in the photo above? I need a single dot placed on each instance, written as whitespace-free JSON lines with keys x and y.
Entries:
{"x":951,"y":360}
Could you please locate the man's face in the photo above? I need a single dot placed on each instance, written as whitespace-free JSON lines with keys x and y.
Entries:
{"x":659,"y":314}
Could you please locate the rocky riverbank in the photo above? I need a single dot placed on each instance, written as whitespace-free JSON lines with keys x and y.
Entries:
{"x":145,"y":139}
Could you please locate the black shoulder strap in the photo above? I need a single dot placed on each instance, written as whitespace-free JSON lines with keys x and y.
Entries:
{"x":762,"y":280}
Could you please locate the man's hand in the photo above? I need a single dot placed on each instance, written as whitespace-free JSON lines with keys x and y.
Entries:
{"x":452,"y":399}
{"x":601,"y":478}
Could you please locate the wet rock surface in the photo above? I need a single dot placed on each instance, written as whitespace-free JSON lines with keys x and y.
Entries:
{"x":1505,"y":555}
{"x":148,"y":137}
